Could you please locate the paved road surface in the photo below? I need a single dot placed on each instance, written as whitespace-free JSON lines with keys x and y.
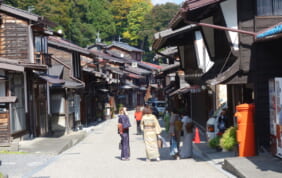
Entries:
{"x":98,"y":156}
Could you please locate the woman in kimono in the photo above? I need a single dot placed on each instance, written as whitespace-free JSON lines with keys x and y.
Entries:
{"x":186,"y":150}
{"x":123,"y":129}
{"x":151,"y":128}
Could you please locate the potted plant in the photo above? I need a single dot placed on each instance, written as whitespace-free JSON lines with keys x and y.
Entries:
{"x":228,"y":140}
{"x":214,"y":142}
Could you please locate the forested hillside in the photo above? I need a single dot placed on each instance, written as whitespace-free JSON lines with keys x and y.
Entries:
{"x":132,"y":21}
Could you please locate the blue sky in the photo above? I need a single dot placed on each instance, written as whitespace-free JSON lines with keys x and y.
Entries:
{"x":165,"y":1}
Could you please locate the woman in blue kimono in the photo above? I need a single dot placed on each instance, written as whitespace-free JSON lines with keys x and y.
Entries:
{"x":123,"y":129}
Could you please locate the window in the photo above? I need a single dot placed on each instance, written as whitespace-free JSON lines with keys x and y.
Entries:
{"x":41,"y":50}
{"x":40,"y":44}
{"x":269,"y":7}
{"x":76,"y":64}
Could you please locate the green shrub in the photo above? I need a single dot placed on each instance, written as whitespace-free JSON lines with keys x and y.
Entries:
{"x":228,"y":140}
{"x":214,"y":143}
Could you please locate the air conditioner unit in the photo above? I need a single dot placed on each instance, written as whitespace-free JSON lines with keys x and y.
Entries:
{"x":134,"y":64}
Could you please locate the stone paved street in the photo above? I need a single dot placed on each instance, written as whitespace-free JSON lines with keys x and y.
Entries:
{"x":98,"y":156}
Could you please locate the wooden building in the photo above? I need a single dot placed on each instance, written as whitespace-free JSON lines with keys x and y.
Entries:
{"x":123,"y":50}
{"x":65,"y":98}
{"x":23,"y":94}
{"x":240,"y":59}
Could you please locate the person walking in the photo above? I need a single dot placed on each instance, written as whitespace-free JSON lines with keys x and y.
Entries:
{"x":222,"y":121}
{"x":186,"y":150}
{"x":175,"y":129}
{"x":138,"y":116}
{"x":123,"y":129}
{"x":151,"y":128}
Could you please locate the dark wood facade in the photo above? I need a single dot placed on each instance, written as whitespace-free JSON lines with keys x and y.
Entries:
{"x":266,"y":65}
{"x":14,"y":37}
{"x":18,"y":64}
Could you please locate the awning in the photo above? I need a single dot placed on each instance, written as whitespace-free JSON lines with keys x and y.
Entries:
{"x":270,"y":33}
{"x":56,"y":70}
{"x":220,"y":66}
{"x":96,"y":73}
{"x":137,"y":70}
{"x":192,"y":89}
{"x":73,"y":85}
{"x":52,"y":80}
{"x":8,"y":99}
{"x":227,"y":75}
{"x":161,"y":38}
{"x":115,"y":70}
{"x":170,"y":68}
{"x":172,"y":86}
{"x":15,"y":65}
{"x":134,"y":76}
{"x":129,"y":85}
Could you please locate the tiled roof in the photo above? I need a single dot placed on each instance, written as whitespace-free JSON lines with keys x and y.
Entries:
{"x":125,"y":46}
{"x":137,"y":70}
{"x":19,"y":12}
{"x":152,"y":65}
{"x":57,"y":41}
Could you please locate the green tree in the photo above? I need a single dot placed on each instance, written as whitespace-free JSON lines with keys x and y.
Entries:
{"x":22,"y":4}
{"x":156,"y":20}
{"x":80,"y":20}
{"x":135,"y":18}
{"x":120,"y":9}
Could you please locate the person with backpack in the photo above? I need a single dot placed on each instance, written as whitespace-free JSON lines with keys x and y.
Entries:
{"x":123,"y":130}
{"x":222,"y":122}
{"x":188,"y":127}
{"x":175,"y":128}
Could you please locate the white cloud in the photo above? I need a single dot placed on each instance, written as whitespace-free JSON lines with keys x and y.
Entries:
{"x":165,"y":1}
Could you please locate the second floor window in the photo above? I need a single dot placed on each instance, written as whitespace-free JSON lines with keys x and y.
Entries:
{"x":40,"y":44}
{"x":269,"y":7}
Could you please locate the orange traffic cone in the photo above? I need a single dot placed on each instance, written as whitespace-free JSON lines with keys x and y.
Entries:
{"x":197,"y":136}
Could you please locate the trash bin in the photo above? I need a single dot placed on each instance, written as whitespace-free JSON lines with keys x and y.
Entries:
{"x":245,"y":132}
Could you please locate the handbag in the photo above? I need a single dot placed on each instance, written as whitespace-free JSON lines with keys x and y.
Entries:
{"x":160,"y":142}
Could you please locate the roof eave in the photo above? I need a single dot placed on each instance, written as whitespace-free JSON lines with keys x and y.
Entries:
{"x":19,"y":12}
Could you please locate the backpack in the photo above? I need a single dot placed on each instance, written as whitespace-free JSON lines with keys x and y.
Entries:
{"x":221,"y":124}
{"x":178,"y":125}
{"x":189,"y":127}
